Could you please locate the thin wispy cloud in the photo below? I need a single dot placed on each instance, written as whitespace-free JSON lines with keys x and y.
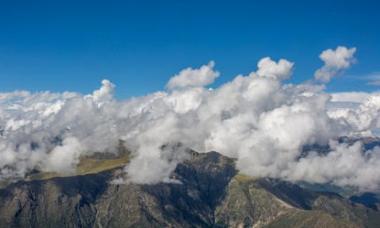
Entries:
{"x":373,"y":78}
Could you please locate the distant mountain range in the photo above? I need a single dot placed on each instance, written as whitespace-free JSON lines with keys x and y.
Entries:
{"x":208,"y":191}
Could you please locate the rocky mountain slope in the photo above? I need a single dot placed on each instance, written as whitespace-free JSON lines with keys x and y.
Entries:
{"x":208,"y":192}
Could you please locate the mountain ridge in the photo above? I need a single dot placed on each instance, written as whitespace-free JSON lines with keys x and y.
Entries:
{"x":211,"y":193}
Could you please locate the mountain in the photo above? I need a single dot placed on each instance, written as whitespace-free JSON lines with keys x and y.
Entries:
{"x":208,"y":192}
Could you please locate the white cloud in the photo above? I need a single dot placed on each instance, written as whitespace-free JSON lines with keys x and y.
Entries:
{"x":257,"y":119}
{"x":352,"y":97}
{"x":345,"y":165}
{"x":189,"y":77}
{"x":334,"y":62}
{"x":104,"y":93}
{"x":63,"y":158}
{"x":269,"y":68}
{"x":340,"y":58}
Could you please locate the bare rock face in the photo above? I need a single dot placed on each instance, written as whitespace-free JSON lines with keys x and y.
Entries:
{"x":51,"y":203}
{"x":208,"y":193}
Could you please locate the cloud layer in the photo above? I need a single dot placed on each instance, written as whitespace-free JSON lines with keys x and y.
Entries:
{"x":257,"y":118}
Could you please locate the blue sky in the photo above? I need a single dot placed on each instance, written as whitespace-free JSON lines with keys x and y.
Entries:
{"x":139,"y":45}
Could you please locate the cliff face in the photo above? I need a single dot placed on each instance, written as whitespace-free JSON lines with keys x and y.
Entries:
{"x":211,"y":194}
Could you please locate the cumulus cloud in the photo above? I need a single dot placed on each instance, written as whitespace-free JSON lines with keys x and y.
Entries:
{"x":362,"y":118}
{"x":189,"y":77}
{"x":104,"y":93}
{"x":334,"y":62}
{"x":344,"y":165}
{"x":269,"y":68}
{"x":257,"y":118}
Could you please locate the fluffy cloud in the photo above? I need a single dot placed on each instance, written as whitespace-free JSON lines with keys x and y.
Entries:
{"x":269,"y":68}
{"x":344,"y":165}
{"x":63,"y":158}
{"x":334,"y":62}
{"x":104,"y":93}
{"x":255,"y":118}
{"x":189,"y":77}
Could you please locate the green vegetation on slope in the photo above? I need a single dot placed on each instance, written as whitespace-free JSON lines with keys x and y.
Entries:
{"x":310,"y":219}
{"x":265,"y":202}
{"x":87,"y":165}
